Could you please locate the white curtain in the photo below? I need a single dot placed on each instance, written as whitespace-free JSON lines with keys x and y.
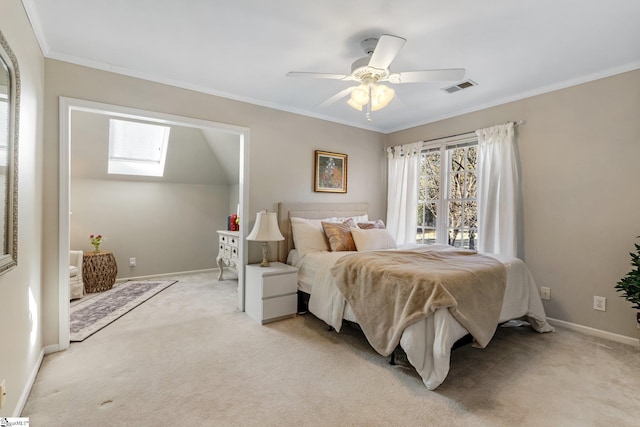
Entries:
{"x":402,"y":191}
{"x":497,"y":190}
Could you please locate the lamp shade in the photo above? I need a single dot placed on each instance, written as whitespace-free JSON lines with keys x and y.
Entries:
{"x":381,"y":97}
{"x":266,"y":228}
{"x":360,"y":95}
{"x":376,"y":96}
{"x":354,"y":105}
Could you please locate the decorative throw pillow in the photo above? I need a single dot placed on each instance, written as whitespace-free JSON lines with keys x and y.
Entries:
{"x":373,"y":224}
{"x":308,"y":235}
{"x":373,"y":239}
{"x":339,"y":235}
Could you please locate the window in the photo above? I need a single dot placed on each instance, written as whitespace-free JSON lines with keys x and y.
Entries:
{"x":449,"y":186}
{"x":137,"y":148}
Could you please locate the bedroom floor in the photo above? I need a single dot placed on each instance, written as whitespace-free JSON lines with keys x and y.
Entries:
{"x":188,"y":357}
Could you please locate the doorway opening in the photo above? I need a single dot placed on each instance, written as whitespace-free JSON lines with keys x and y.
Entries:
{"x":71,"y":110}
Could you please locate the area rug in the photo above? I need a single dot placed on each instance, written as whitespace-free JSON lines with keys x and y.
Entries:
{"x":88,"y":317}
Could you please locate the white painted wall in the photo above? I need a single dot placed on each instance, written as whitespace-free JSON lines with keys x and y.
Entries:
{"x":579,"y":152}
{"x":21,"y":289}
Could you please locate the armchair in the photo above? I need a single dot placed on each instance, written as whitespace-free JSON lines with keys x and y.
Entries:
{"x":76,"y":286}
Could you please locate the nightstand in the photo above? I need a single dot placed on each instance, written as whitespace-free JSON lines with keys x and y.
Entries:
{"x":271,"y":292}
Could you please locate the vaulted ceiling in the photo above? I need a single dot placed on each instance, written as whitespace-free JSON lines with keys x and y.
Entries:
{"x":203,"y":156}
{"x":243,"y":49}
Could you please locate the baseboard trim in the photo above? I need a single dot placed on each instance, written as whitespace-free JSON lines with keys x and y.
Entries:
{"x":156,"y":276}
{"x":54,"y":348}
{"x":596,"y":332}
{"x":27,"y":387}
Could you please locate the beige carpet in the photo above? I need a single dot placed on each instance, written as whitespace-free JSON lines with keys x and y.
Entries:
{"x":89,"y":315}
{"x":187,"y":357}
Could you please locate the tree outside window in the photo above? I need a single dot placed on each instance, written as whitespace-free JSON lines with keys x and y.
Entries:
{"x":452,"y":190}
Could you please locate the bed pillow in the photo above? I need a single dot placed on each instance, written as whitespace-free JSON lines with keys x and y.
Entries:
{"x":308,"y":235}
{"x":339,"y":235}
{"x":373,"y":239}
{"x":371,"y":224}
{"x":356,"y":219}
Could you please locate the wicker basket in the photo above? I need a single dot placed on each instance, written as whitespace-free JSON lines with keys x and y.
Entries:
{"x":99,"y":271}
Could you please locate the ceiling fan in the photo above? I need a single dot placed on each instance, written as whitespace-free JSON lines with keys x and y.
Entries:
{"x":373,"y":69}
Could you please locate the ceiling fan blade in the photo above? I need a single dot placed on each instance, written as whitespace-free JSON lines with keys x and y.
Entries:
{"x":450,"y":74}
{"x":318,"y":75}
{"x":338,"y":96}
{"x":386,"y":50}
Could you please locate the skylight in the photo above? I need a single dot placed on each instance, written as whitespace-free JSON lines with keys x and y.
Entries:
{"x":137,"y":148}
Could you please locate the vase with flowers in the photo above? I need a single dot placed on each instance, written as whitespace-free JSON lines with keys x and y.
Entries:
{"x":95,"y":240}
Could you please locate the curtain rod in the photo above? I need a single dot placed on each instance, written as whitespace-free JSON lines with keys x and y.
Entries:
{"x":518,"y":123}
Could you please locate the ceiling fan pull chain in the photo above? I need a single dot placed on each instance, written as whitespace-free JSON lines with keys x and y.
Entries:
{"x":367,"y":108}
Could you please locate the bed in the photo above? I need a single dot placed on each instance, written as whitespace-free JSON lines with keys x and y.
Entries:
{"x":428,"y":338}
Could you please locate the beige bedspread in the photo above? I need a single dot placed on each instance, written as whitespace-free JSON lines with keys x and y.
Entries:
{"x":390,"y":290}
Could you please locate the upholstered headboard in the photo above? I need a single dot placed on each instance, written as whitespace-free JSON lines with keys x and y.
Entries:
{"x":311,"y":211}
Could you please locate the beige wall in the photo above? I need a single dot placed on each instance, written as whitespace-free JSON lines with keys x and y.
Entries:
{"x":166,"y":227}
{"x":579,"y":152}
{"x":167,"y":223}
{"x":20,"y":288}
{"x":280,"y":153}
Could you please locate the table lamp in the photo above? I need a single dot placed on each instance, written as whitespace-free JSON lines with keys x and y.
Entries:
{"x":265,"y":230}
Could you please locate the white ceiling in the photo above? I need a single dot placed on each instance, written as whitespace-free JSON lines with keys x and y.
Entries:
{"x":242,"y":49}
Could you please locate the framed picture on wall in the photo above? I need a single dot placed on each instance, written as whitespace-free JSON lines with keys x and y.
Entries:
{"x":330,"y":172}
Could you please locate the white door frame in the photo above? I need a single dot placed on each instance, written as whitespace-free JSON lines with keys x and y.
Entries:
{"x":67,"y":105}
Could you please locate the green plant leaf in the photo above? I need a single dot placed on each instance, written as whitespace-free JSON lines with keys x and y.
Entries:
{"x":629,"y":285}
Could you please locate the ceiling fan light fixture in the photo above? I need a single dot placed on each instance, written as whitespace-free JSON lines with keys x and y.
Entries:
{"x":354,"y":105}
{"x":372,"y":95}
{"x":368,"y":71}
{"x":381,"y":97}
{"x":360,"y":95}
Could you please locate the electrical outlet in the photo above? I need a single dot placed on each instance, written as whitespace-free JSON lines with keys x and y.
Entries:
{"x":600,"y":303}
{"x":3,"y":393}
{"x":132,"y":262}
{"x":545,"y":293}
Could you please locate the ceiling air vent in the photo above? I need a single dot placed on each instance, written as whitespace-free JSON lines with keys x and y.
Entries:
{"x":460,"y":86}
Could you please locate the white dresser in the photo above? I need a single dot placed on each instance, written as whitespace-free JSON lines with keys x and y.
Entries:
{"x":228,"y":242}
{"x":271,"y":292}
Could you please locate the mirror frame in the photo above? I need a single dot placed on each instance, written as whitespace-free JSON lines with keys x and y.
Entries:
{"x":10,"y":259}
